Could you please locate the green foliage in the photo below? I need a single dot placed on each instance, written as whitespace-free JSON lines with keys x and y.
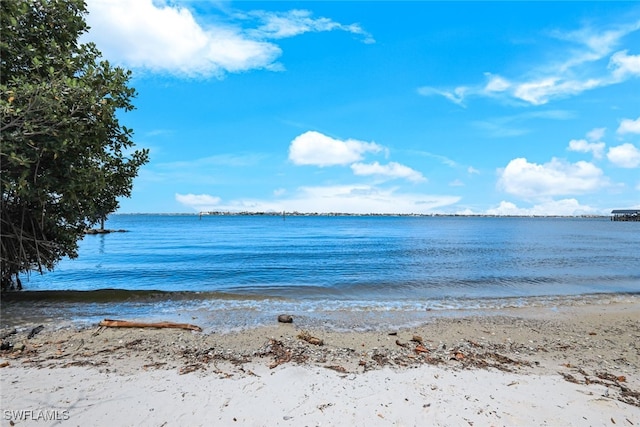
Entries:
{"x":65,"y":159}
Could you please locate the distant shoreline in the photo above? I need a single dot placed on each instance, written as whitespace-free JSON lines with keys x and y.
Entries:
{"x":347,"y":214}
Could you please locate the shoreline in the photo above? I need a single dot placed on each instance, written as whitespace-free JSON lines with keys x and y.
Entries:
{"x":528,"y":359}
{"x":228,"y":312}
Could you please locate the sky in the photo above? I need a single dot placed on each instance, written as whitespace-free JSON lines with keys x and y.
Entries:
{"x":499,"y":108}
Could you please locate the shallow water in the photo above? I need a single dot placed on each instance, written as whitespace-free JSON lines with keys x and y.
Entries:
{"x":239,"y":271}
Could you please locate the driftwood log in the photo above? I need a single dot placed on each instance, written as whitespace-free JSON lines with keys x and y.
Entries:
{"x":109,"y":323}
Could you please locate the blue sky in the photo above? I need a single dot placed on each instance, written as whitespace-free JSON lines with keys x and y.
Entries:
{"x":385,"y":107}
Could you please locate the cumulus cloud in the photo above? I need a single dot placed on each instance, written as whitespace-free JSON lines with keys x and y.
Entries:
{"x":360,"y":199}
{"x":584,"y":68}
{"x":317,"y":149}
{"x":314,"y":148}
{"x":629,"y":126}
{"x":564,"y":207}
{"x":555,"y":178}
{"x":167,"y":38}
{"x":390,"y":170}
{"x":583,"y":146}
{"x":625,"y":156}
{"x":593,"y":145}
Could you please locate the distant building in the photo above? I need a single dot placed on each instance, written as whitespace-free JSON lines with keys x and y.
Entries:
{"x":625,"y":215}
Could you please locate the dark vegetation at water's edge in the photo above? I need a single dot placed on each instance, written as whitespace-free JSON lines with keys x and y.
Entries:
{"x":102,"y":231}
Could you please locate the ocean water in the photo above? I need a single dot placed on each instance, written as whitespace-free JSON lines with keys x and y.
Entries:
{"x":363,"y":272}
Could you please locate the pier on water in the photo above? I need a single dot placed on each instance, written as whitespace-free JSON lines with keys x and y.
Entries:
{"x":625,"y":215}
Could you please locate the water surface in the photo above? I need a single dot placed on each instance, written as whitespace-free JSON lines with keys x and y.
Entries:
{"x":239,"y":271}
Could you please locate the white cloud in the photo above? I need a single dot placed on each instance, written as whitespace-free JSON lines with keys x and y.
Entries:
{"x":390,"y":170}
{"x":592,"y":45}
{"x":624,"y":65}
{"x":168,"y":39}
{"x":625,"y":156}
{"x":582,"y":68}
{"x":592,"y":145}
{"x":471,"y":170}
{"x":456,"y":183}
{"x":531,"y":180}
{"x":279,"y":25}
{"x":360,"y":199}
{"x":539,"y":92}
{"x":314,"y":148}
{"x":365,"y":199}
{"x":164,"y":38}
{"x":496,"y":83}
{"x":596,"y":134}
{"x":456,"y":95}
{"x":582,"y":146}
{"x":199,"y":202}
{"x":629,"y":126}
{"x":536,"y":92}
{"x":564,"y":207}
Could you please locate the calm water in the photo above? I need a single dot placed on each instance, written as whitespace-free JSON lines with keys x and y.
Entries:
{"x":234,"y":272}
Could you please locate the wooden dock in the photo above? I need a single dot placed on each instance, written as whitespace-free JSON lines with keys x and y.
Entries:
{"x":625,"y":215}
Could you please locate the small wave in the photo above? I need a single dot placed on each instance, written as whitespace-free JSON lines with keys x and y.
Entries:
{"x":225,"y":312}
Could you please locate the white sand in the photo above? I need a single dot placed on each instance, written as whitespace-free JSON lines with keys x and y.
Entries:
{"x":577,"y":366}
{"x":295,"y":395}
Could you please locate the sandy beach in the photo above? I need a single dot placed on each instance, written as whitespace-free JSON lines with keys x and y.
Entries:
{"x":572,"y":366}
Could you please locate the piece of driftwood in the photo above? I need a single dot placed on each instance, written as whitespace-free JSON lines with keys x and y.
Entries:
{"x":310,"y":339}
{"x":109,"y":323}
